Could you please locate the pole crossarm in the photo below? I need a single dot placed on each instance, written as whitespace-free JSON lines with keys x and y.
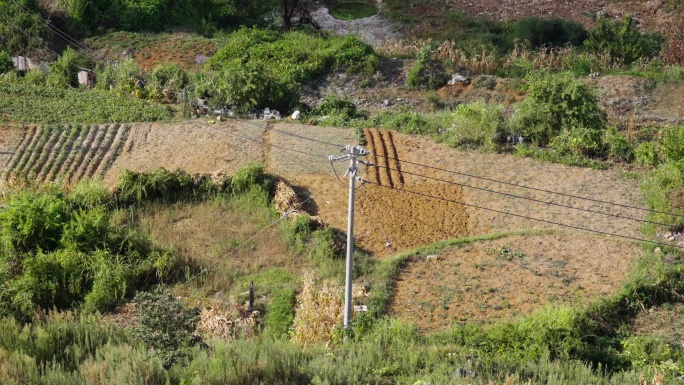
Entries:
{"x":352,"y":155}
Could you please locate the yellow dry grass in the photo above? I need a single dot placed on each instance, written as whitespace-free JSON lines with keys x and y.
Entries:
{"x":319,"y":311}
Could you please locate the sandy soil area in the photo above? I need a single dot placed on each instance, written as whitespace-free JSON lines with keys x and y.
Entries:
{"x":510,"y":277}
{"x":194,"y":147}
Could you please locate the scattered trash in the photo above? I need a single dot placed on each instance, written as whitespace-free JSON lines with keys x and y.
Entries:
{"x":515,"y":139}
{"x":457,"y":78}
{"x":296,"y":114}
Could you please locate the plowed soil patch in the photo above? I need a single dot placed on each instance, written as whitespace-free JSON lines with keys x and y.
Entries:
{"x":196,"y":148}
{"x":380,"y":211}
{"x":514,"y":276}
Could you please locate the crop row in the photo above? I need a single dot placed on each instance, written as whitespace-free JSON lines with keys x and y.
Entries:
{"x":68,"y":153}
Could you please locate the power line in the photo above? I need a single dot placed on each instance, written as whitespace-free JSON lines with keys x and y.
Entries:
{"x":522,"y":197}
{"x":484,"y":178}
{"x":264,"y":143}
{"x":236,"y":248}
{"x":479,"y":188}
{"x":476,"y":206}
{"x":56,"y":30}
{"x":528,"y":217}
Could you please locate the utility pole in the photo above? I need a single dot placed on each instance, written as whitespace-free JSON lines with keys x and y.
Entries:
{"x":353,"y":153}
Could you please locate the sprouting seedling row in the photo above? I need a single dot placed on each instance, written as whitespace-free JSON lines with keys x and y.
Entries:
{"x":57,"y":134}
{"x":54,"y":152}
{"x":26,"y":152}
{"x":36,"y":150}
{"x":76,"y":150}
{"x":103,"y":150}
{"x":115,"y":151}
{"x":80,"y":172}
{"x":64,"y":151}
{"x":81,"y":153}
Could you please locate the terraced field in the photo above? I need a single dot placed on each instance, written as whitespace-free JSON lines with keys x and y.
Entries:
{"x":67,"y":153}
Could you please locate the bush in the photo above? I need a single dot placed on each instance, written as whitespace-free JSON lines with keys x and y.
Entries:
{"x":619,"y":148}
{"x":647,"y":153}
{"x":32,"y":222}
{"x":623,"y":41}
{"x":6,"y":64}
{"x":563,"y":112}
{"x":166,"y":325}
{"x":672,"y":146}
{"x":258,"y":68}
{"x":664,"y":192}
{"x":166,"y":81}
{"x":555,"y":32}
{"x":477,"y":125}
{"x":280,"y":314}
{"x":250,"y":176}
{"x":135,"y":188}
{"x":63,"y":73}
{"x":426,"y":74}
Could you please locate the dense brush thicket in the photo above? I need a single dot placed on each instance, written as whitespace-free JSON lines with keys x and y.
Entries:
{"x":74,"y":249}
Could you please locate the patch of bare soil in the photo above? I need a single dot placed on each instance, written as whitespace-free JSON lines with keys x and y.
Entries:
{"x":652,"y":15}
{"x":666,"y":321}
{"x":502,"y":279}
{"x":601,"y":185}
{"x":194,"y":147}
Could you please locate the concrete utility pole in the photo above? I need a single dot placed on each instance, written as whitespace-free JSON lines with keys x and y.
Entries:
{"x":352,"y":172}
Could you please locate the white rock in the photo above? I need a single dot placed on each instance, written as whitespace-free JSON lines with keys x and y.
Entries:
{"x":296,"y":114}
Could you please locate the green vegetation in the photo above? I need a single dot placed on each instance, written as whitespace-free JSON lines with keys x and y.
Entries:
{"x":21,"y":30}
{"x":41,"y":104}
{"x":426,"y":74}
{"x":351,"y":10}
{"x":562,"y":112}
{"x":267,"y":68}
{"x":87,"y":17}
{"x":623,"y":41}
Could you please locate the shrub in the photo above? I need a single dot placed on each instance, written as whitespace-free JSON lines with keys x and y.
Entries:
{"x":477,"y":125}
{"x":32,"y":221}
{"x":250,"y":176}
{"x":427,"y":75}
{"x":554,"y":32}
{"x":165,"y":81}
{"x":166,"y":325}
{"x":280,"y":314}
{"x":121,"y":77}
{"x":135,"y":188}
{"x":619,"y":148}
{"x":563,"y":112}
{"x":405,"y":120}
{"x":664,"y":192}
{"x":63,"y":72}
{"x":647,"y":153}
{"x":623,"y":41}
{"x":6,"y":64}
{"x":672,"y":146}
{"x":258,"y":68}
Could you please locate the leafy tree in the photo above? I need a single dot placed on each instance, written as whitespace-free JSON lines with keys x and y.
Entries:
{"x":21,"y":27}
{"x":623,"y":41}
{"x":549,"y":32}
